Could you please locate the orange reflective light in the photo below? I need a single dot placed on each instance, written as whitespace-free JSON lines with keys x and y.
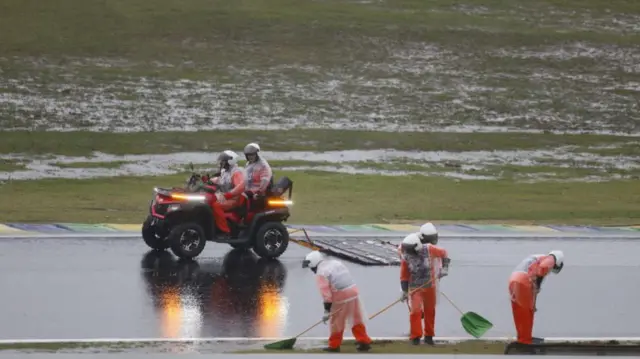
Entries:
{"x":279,"y":202}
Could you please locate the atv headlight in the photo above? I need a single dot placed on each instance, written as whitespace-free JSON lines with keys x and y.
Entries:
{"x":279,"y":203}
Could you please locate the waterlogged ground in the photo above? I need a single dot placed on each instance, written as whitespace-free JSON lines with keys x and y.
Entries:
{"x":408,"y":66}
{"x":561,"y":163}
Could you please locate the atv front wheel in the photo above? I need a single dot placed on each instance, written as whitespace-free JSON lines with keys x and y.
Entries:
{"x":272,"y":239}
{"x":151,"y":238}
{"x":187,"y":240}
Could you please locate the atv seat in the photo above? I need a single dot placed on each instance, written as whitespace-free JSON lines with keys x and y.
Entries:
{"x":285,"y":184}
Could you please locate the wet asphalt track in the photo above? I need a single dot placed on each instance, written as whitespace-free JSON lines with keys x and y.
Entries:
{"x":116,"y":288}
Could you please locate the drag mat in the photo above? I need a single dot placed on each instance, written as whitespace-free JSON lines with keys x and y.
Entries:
{"x":368,"y":252}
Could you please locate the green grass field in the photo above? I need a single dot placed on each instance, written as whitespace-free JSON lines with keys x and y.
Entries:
{"x":133,"y":77}
{"x":322,"y":197}
{"x":83,"y":143}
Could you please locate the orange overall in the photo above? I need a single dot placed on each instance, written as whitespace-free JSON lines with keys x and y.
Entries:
{"x":523,"y":290}
{"x":231,"y":182}
{"x":338,"y":288}
{"x":421,"y":271}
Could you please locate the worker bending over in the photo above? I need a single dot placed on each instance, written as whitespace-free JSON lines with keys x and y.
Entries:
{"x":524,"y":286}
{"x":341,"y":300}
{"x":422,"y":265}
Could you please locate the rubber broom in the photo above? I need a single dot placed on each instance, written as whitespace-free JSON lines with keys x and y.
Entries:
{"x":289,"y":343}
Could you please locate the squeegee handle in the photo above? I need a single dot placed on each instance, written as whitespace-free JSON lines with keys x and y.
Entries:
{"x":452,"y":303}
{"x":316,"y":324}
{"x":399,"y":300}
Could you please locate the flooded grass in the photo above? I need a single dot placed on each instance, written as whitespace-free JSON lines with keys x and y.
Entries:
{"x":9,"y":165}
{"x":326,"y":198}
{"x":561,"y":163}
{"x":105,"y":165}
{"x":401,"y":65}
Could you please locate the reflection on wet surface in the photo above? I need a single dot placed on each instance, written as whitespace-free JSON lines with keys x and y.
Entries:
{"x":115,"y":288}
{"x":239,"y":296}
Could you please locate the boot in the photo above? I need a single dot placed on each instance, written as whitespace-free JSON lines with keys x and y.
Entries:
{"x":331,"y":350}
{"x":415,"y":341}
{"x":428,"y":340}
{"x":363,"y":347}
{"x":519,"y":348}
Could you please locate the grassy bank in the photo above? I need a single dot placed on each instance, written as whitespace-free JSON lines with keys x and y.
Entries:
{"x":136,"y":65}
{"x":404,"y":347}
{"x":322,"y":197}
{"x":387,"y":347}
{"x":83,"y":143}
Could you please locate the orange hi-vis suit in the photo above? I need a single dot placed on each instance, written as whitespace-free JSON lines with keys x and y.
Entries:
{"x":232,"y":184}
{"x":340,"y":293}
{"x":421,"y":270}
{"x":524,"y":285}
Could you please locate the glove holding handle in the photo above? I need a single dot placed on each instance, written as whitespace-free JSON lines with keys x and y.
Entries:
{"x":327,"y":312}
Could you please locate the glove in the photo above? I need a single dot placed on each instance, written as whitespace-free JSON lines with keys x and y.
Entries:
{"x":326,"y":316}
{"x":404,"y":297}
{"x":443,"y":273}
{"x":228,"y":195}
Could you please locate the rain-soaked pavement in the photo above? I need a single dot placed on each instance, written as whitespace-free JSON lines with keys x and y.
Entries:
{"x":116,"y":288}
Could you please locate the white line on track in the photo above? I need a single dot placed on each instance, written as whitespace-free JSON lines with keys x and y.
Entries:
{"x":244,"y":339}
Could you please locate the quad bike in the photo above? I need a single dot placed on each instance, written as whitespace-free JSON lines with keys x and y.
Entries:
{"x":181,"y":219}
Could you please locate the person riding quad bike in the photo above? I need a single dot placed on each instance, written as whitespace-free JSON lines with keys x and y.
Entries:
{"x":258,"y":172}
{"x":229,"y":187}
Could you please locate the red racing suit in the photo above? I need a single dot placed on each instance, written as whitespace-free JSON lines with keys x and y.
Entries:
{"x":232,"y":183}
{"x":523,"y":288}
{"x":338,"y":288}
{"x":258,"y":176}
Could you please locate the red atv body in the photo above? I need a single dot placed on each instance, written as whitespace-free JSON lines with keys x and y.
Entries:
{"x":181,"y":219}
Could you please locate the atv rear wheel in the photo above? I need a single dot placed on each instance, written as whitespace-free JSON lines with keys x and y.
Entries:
{"x":151,"y":238}
{"x":187,"y":240}
{"x":272,"y":239}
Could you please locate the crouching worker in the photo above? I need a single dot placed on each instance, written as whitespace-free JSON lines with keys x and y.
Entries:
{"x":341,"y":300}
{"x":524,"y":286}
{"x":419,"y":274}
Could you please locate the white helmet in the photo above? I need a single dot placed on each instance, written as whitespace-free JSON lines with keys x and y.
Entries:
{"x":559,"y":256}
{"x":411,"y":243}
{"x":428,"y":233}
{"x":312,"y":260}
{"x":251,"y":149}
{"x":229,"y":157}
